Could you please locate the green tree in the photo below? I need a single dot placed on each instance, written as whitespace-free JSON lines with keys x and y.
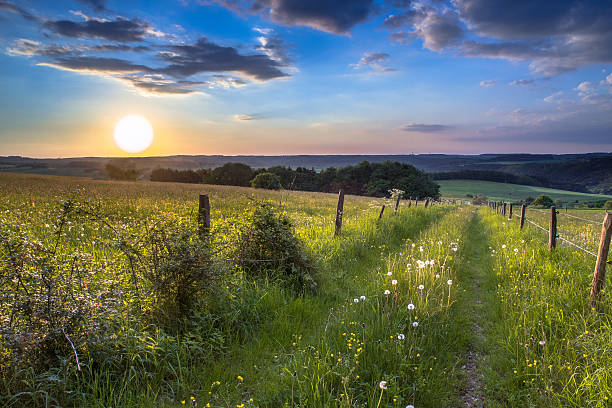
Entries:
{"x":266,"y":180}
{"x":230,"y":174}
{"x":608,"y":205}
{"x":479,"y":199}
{"x":543,"y":201}
{"x":117,"y":173}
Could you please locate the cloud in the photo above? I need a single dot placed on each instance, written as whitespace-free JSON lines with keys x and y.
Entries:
{"x":425,"y":128}
{"x":119,"y":30}
{"x":97,"y":65}
{"x":273,"y":46}
{"x":523,"y":82}
{"x":585,"y":87}
{"x":374,"y":60}
{"x":245,"y":117}
{"x":10,"y":7}
{"x":332,"y":16}
{"x":98,"y":5}
{"x":30,"y":48}
{"x":488,"y":83}
{"x":205,"y":56}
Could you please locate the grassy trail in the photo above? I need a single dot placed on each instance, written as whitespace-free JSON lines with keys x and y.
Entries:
{"x":477,"y":303}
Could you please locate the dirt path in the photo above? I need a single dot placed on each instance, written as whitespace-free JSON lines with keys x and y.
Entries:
{"x":477,"y":274}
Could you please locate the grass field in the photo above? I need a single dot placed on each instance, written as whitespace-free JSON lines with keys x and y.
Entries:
{"x":510,"y":192}
{"x":448,"y":306}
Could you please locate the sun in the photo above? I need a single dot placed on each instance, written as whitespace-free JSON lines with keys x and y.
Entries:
{"x":133,"y":133}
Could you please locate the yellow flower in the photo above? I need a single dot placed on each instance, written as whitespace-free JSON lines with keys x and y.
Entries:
{"x":183,"y":402}
{"x":240,"y":378}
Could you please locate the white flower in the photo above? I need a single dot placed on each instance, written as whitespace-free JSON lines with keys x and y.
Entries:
{"x":437,"y":275}
{"x":421,"y":287}
{"x":421,"y":264}
{"x":515,"y":250}
{"x":450,"y":281}
{"x":394,"y":282}
{"x":409,"y":406}
{"x":362,"y":298}
{"x":421,"y":248}
{"x":356,"y":300}
{"x":401,"y":336}
{"x":411,"y":307}
{"x":415,"y":324}
{"x":541,"y":342}
{"x":432,"y":262}
{"x":387,"y":292}
{"x":454,"y":249}
{"x":383,"y":385}
{"x":504,"y":246}
{"x":522,"y":241}
{"x":389,"y":273}
{"x":439,"y":242}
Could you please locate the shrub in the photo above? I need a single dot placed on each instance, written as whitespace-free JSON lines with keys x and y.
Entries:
{"x":479,"y":199}
{"x":266,"y":180}
{"x":543,"y":201}
{"x":608,"y":205}
{"x":268,"y":245}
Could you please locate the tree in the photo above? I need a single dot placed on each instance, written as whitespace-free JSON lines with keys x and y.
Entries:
{"x":266,"y":180}
{"x":230,"y":174}
{"x":543,"y":201}
{"x":608,"y":205}
{"x":528,"y":200}
{"x":117,"y":173}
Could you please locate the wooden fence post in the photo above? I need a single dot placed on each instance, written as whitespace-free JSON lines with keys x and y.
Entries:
{"x":510,"y":215}
{"x":602,"y":258}
{"x":426,"y":203}
{"x":552,"y":229}
{"x":399,"y":196}
{"x":339,"y":211}
{"x":522,"y":222}
{"x":382,"y":210}
{"x":410,"y":202}
{"x":504,"y":210}
{"x":416,"y":202}
{"x":204,"y":216}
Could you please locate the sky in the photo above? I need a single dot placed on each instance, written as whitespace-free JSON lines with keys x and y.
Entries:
{"x":271,"y":77}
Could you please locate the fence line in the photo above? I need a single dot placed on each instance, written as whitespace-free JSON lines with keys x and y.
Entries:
{"x":580,"y":218}
{"x":564,"y":239}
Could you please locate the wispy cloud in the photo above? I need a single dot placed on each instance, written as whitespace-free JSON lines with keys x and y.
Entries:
{"x":425,"y":128}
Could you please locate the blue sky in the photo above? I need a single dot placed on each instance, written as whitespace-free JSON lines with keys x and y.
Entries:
{"x":316,"y":77}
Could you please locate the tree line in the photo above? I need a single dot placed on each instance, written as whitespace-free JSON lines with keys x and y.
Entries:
{"x":365,"y":178}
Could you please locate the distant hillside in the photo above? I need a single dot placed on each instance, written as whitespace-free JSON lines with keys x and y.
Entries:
{"x":591,"y":172}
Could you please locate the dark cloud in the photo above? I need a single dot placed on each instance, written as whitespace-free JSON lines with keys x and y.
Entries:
{"x":437,"y":28}
{"x":115,"y":48}
{"x":98,"y":5}
{"x":398,"y":21}
{"x":10,"y":7}
{"x":119,"y":30}
{"x":425,"y":128}
{"x":332,"y":16}
{"x":159,"y":86}
{"x":97,"y":64}
{"x":557,"y":36}
{"x":34,"y":48}
{"x":205,"y":56}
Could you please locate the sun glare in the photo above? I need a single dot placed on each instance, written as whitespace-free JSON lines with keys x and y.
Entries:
{"x":133,"y":133}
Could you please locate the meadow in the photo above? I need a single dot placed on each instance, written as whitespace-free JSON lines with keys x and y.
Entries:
{"x":440,"y":306}
{"x":510,"y":192}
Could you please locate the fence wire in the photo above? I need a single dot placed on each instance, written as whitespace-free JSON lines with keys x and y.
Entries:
{"x":566,"y":240}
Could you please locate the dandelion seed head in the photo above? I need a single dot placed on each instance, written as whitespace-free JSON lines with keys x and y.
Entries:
{"x":450,"y":282}
{"x":362,"y":298}
{"x":382,"y":385}
{"x":421,"y":287}
{"x":387,"y":292}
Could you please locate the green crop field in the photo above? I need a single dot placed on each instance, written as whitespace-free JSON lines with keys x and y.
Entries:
{"x":510,"y":192}
{"x":112,"y":296}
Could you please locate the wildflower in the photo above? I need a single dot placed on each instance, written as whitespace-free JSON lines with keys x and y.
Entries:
{"x":401,"y":336}
{"x":362,"y":298}
{"x":454,"y":249}
{"x":394,"y":282}
{"x":410,"y":306}
{"x":421,"y":249}
{"x":389,"y":273}
{"x":415,"y":324}
{"x":432,"y":262}
{"x":240,"y":378}
{"x":421,"y":287}
{"x":439,"y":242}
{"x":504,"y":246}
{"x":387,"y":292}
{"x":409,"y":406}
{"x":541,"y":342}
{"x":383,"y":385}
{"x":356,"y":300}
{"x":421,"y":264}
{"x":515,"y":250}
{"x":437,"y":275}
{"x":450,"y":282}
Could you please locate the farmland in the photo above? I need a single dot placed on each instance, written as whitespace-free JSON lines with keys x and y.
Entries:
{"x":510,"y":192}
{"x":439,"y":306}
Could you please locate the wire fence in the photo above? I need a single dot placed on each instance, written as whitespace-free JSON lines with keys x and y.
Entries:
{"x":567,"y":241}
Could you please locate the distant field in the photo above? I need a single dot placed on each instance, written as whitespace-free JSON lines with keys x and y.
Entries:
{"x":508,"y":192}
